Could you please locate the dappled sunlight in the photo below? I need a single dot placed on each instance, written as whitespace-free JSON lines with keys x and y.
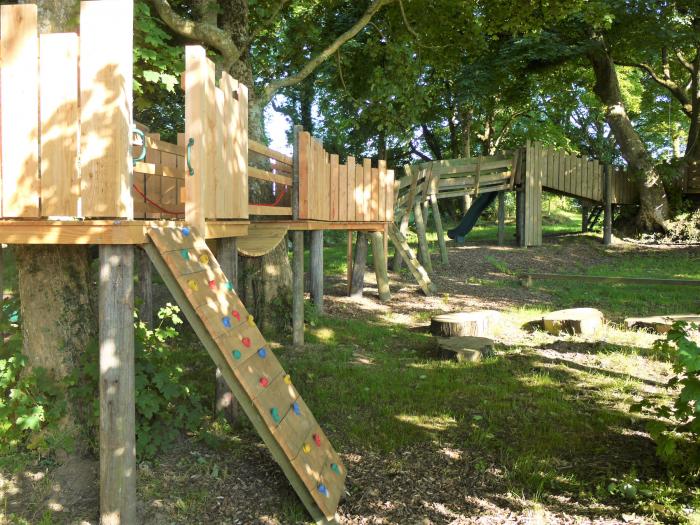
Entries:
{"x":324,"y":335}
{"x":440,"y":423}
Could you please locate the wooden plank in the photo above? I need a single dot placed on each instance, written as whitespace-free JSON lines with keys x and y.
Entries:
{"x":409,"y":257}
{"x":390,"y":196}
{"x":222,"y":198}
{"x":384,"y":188}
{"x":106,"y":78}
{"x":197,"y":91}
{"x":255,"y":209}
{"x":367,"y":189}
{"x":257,"y":173}
{"x":153,"y":142}
{"x":343,"y":192}
{"x":297,"y":288}
{"x":238,"y":197}
{"x":261,"y":239}
{"x":304,"y":175}
{"x":19,"y":99}
{"x":334,"y":188}
{"x":359,"y":193}
{"x":374,"y":198}
{"x":239,"y":136}
{"x":116,"y":385}
{"x":352,"y":208}
{"x":58,"y":73}
{"x":261,"y":149}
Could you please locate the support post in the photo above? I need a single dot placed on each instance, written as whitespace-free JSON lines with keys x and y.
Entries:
{"x":316,"y":269}
{"x":2,"y":276}
{"x":348,"y":256}
{"x":117,"y":390}
{"x":585,"y":213}
{"x":380,"y":266}
{"x":423,"y":251}
{"x":520,"y":217}
{"x":298,"y":288}
{"x":226,"y":404}
{"x":357,"y":283}
{"x":501,"y":218}
{"x":145,"y":287}
{"x":438,"y":228}
{"x":607,"y":195}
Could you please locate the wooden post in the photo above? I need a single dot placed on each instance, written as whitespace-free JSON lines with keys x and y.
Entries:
{"x":348,"y":256}
{"x":145,"y":288}
{"x":2,"y":277}
{"x":226,"y":404}
{"x":403,"y":226}
{"x":423,"y":251}
{"x":117,"y":391}
{"x":501,"y":218}
{"x":316,"y":269}
{"x":357,"y":283}
{"x":295,"y":173}
{"x":298,"y":288}
{"x":520,"y":217}
{"x":380,"y":266}
{"x":607,"y":195}
{"x":438,"y":228}
{"x":585,"y":210}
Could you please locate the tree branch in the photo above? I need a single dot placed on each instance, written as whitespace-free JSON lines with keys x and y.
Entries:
{"x":265,"y":23}
{"x":667,"y":83}
{"x":415,"y":151}
{"x":274,"y":86}
{"x":506,"y":128}
{"x":684,"y":61}
{"x":207,"y":34}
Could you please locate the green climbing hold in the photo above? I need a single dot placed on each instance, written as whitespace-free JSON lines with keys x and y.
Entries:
{"x":335,"y":468}
{"x":236,"y":354}
{"x":185,"y":254}
{"x":275,"y":415}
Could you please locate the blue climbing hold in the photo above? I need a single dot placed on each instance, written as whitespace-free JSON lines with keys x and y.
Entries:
{"x":185,"y":231}
{"x":295,"y":407}
{"x":227,"y":322}
{"x":262,"y":353}
{"x":323,"y":490}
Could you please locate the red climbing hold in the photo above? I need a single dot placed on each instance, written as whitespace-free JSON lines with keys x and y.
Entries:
{"x":246,"y":342}
{"x":264,"y":382}
{"x":212,"y":285}
{"x":236,"y":315}
{"x":317,"y":440}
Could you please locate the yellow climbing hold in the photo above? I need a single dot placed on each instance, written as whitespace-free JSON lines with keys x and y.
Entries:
{"x":307,"y":448}
{"x":251,"y":320}
{"x":288,"y":379}
{"x":193,"y":285}
{"x":204,"y":258}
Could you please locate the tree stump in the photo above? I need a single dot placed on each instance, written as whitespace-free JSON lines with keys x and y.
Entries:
{"x":584,"y":321}
{"x":458,"y":324}
{"x":660,"y":324}
{"x":466,"y":348}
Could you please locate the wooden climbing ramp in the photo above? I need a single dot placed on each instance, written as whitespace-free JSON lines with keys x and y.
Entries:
{"x":264,"y":390}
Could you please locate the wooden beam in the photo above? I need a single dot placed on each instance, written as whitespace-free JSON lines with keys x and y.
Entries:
{"x":380,"y":266}
{"x":418,"y":272}
{"x":117,"y":389}
{"x":257,"y":173}
{"x":438,"y":229}
{"x":316,"y":269}
{"x":501,"y":218}
{"x":423,"y":250}
{"x":261,"y":149}
{"x":297,"y":288}
{"x":145,"y":276}
{"x":359,"y":264}
{"x":607,"y":195}
{"x":256,"y":209}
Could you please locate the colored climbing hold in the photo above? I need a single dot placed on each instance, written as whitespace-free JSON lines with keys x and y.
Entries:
{"x":306,"y":448}
{"x":229,"y":286}
{"x":204,"y":258}
{"x":251,"y":320}
{"x":246,"y":342}
{"x":226,"y":321}
{"x":295,"y":407}
{"x":275,"y":415}
{"x":185,"y":231}
{"x":262,"y":353}
{"x":317,"y":440}
{"x":335,"y":468}
{"x":193,"y":285}
{"x":236,"y":354}
{"x":236,"y":315}
{"x":323,"y":490}
{"x":264,"y":382}
{"x":212,"y":285}
{"x":185,"y":254}
{"x":287,"y":379}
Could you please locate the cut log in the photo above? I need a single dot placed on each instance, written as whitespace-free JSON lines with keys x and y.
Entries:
{"x":584,"y":321}
{"x":463,"y":323}
{"x":660,"y":324}
{"x":464,"y":348}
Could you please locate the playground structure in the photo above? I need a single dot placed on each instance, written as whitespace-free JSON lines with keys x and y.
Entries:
{"x":76,"y":169}
{"x":528,"y":171}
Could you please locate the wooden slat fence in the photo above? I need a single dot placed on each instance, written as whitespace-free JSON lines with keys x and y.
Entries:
{"x":355,"y":191}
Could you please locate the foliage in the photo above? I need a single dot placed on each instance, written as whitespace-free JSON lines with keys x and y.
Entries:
{"x":676,"y":427}
{"x":31,"y":404}
{"x":168,"y":400}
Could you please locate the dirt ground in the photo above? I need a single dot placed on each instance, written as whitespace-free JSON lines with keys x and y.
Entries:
{"x":417,"y":486}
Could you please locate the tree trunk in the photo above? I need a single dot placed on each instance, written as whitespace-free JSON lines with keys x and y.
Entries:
{"x":653,"y":210}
